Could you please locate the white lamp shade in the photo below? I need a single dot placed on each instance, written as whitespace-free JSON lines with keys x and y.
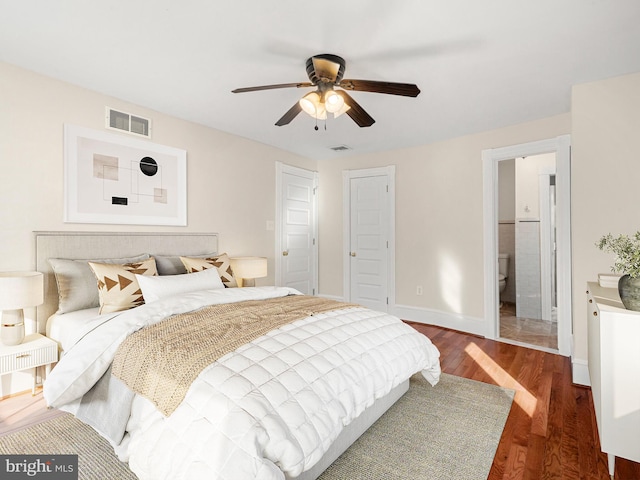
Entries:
{"x":309,"y":104}
{"x":342,"y":110}
{"x":333,"y":102}
{"x":312,"y":105}
{"x":249,"y":267}
{"x":321,"y":112}
{"x":21,"y":290}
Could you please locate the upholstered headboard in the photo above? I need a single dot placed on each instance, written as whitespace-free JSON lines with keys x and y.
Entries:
{"x":88,"y":245}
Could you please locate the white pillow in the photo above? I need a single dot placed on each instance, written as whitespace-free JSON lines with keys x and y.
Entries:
{"x":155,"y":288}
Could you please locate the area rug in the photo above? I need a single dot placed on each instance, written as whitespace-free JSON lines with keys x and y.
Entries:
{"x":450,"y":431}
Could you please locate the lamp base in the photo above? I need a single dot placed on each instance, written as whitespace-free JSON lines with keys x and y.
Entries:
{"x":248,"y":282}
{"x":12,"y":334}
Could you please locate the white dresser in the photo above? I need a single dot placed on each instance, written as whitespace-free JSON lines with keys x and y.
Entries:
{"x":614,"y":370}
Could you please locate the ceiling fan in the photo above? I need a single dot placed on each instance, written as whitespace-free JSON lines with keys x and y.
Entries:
{"x":325,"y":72}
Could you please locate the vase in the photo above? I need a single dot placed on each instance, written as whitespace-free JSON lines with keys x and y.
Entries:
{"x":629,"y":290}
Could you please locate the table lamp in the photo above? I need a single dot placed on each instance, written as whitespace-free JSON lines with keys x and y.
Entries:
{"x":248,"y":269}
{"x":18,"y":290}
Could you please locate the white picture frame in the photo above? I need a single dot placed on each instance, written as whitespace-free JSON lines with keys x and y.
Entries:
{"x":113,"y":179}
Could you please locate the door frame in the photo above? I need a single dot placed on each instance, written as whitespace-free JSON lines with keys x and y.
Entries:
{"x":546,"y":246}
{"x":282,"y":169}
{"x":561,"y":146}
{"x":347,"y":175}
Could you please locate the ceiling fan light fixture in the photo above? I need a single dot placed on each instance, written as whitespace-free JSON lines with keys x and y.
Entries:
{"x":342,"y":110}
{"x":321,"y":112}
{"x":310,"y":103}
{"x":325,"y":72}
{"x":332,"y":101}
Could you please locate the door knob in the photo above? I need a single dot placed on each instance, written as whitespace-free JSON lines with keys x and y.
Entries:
{"x":285,"y":253}
{"x":353,"y":254}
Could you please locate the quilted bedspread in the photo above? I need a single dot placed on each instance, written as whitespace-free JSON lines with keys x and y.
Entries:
{"x":273,"y":406}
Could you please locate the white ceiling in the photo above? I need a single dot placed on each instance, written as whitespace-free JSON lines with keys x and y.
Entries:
{"x":480,"y":64}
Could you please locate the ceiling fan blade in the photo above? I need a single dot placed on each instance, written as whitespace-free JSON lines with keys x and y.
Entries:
{"x":290,"y":115}
{"x":356,"y":112}
{"x":391,"y":88}
{"x":272,"y":87}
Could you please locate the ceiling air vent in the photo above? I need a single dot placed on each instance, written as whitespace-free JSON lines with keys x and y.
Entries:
{"x":127,"y":122}
{"x":340,"y":148}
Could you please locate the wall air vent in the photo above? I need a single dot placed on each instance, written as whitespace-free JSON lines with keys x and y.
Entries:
{"x":340,"y":148}
{"x":127,"y":122}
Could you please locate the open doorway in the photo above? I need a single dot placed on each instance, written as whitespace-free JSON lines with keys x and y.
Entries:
{"x":526,"y":246}
{"x":558,"y":196}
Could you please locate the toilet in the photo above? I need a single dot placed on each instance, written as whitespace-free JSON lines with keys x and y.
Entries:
{"x":503,"y":271}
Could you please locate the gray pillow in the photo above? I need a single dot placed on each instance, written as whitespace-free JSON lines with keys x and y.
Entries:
{"x":169,"y":265}
{"x":77,"y":285}
{"x":172,"y":265}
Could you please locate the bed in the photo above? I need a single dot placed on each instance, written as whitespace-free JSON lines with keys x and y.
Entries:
{"x":304,"y":379}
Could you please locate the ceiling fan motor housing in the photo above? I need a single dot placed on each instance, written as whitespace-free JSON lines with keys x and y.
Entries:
{"x":320,"y":72}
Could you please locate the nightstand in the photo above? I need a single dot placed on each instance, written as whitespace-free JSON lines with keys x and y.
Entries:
{"x":34,"y":351}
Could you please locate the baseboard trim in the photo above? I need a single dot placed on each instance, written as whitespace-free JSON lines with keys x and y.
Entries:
{"x":454,"y":321}
{"x":580,"y":372}
{"x":337,"y":298}
{"x":463,"y":323}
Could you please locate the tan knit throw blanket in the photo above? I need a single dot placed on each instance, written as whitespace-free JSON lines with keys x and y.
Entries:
{"x":161,"y":361}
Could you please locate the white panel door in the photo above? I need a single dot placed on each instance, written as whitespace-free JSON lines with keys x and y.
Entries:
{"x":369,"y":232}
{"x":298,"y":239}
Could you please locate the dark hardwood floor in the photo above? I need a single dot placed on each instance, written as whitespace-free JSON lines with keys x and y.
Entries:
{"x":550,"y":433}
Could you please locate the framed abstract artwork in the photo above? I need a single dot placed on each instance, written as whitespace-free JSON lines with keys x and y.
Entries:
{"x":109,"y":178}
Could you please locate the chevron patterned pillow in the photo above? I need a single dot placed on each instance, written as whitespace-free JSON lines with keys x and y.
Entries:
{"x":117,"y":284}
{"x":221,"y":262}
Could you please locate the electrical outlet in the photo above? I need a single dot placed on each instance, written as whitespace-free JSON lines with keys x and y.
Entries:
{"x":419,"y":290}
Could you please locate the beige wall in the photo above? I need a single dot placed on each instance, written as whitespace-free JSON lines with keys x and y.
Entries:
{"x":439,"y":212}
{"x":439,"y":204}
{"x":528,"y":184}
{"x":507,"y":191}
{"x":605,"y":177}
{"x":231,"y":180}
{"x":231,"y":188}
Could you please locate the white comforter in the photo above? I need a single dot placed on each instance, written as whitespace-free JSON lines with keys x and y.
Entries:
{"x":273,"y":406}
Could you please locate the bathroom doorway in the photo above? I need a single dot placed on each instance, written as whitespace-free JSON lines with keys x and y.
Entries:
{"x":526,"y":246}
{"x":540,"y":218}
